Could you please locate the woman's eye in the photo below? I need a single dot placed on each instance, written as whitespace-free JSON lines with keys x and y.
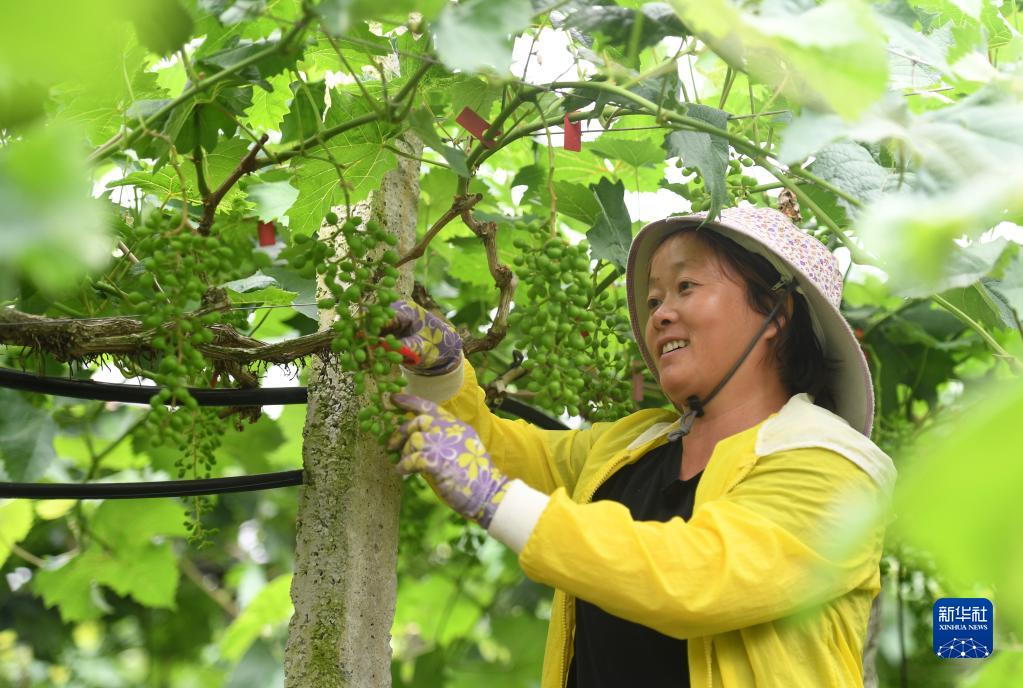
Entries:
{"x":684,"y":283}
{"x":652,"y":303}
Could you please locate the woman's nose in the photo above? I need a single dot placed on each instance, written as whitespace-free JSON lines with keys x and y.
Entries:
{"x":663,"y":316}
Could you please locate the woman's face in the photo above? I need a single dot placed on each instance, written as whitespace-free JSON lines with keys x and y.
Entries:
{"x":694,"y":299}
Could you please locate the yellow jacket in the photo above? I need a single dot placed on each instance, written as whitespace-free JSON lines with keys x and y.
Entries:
{"x":771,"y":581}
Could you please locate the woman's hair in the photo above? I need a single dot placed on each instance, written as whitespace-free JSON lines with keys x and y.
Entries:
{"x":798,"y":355}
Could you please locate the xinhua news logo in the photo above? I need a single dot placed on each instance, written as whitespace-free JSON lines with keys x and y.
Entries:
{"x":964,"y":627}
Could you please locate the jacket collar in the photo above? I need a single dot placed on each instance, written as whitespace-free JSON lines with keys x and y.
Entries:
{"x":801,"y":424}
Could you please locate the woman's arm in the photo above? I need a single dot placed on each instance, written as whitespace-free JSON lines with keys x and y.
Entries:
{"x":543,"y":459}
{"x":777,"y":543}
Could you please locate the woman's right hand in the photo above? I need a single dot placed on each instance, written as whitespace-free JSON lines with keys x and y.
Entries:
{"x":437,"y":345}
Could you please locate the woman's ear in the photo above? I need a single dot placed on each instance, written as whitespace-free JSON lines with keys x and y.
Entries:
{"x":781,"y":319}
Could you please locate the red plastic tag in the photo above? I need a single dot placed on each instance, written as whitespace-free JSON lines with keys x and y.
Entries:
{"x":267,"y":234}
{"x":573,"y":135}
{"x":475,"y":125}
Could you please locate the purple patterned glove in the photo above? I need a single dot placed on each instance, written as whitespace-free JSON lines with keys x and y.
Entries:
{"x":438,"y":347}
{"x":451,"y":457}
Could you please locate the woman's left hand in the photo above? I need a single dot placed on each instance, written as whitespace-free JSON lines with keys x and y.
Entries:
{"x":451,"y":457}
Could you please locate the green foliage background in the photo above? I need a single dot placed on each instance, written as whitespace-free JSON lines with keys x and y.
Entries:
{"x":897,"y":126}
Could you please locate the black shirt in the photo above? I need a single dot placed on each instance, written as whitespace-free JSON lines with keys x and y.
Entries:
{"x":611,"y":652}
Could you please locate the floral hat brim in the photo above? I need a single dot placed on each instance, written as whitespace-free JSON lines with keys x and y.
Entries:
{"x":796,"y":255}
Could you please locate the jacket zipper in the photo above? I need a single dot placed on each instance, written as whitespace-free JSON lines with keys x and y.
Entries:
{"x":564,"y":615}
{"x":614,"y":466}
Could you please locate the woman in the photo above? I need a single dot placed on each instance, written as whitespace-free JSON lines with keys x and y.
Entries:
{"x":707,"y":546}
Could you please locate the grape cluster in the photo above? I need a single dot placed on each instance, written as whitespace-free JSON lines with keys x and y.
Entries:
{"x":739,"y":184}
{"x":566,"y":328}
{"x":368,"y":261}
{"x":180,"y":266}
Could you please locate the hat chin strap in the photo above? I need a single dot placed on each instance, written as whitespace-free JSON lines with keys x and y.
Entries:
{"x":694,"y":403}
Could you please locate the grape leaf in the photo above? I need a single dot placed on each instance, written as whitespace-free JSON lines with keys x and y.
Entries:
{"x":473,"y":36}
{"x":611,"y":235}
{"x":831,"y":57}
{"x":360,"y":150}
{"x":707,"y":152}
{"x":271,"y":296}
{"x":26,"y":437}
{"x":272,"y":199}
{"x":135,"y":522}
{"x":15,"y":522}
{"x":163,"y":26}
{"x":272,"y":605}
{"x":422,"y":123}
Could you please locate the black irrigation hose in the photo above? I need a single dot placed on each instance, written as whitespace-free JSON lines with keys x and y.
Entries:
{"x":137,"y":394}
{"x":105,"y":391}
{"x":163,"y":488}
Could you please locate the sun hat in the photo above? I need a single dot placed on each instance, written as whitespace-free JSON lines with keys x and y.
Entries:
{"x":797,"y":256}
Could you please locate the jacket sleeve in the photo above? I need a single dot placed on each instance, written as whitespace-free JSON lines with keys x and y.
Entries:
{"x":543,"y":459}
{"x":804,"y":527}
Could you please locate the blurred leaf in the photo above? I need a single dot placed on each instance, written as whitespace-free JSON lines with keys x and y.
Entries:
{"x":914,"y":234}
{"x":50,"y":509}
{"x":962,"y":267}
{"x":707,"y":152}
{"x":147,"y":574}
{"x":958,"y":514}
{"x":1010,"y":286}
{"x":808,"y":133}
{"x":339,"y":16}
{"x":435,"y":604}
{"x":231,"y":12}
{"x":101,"y":115}
{"x":70,"y":587}
{"x":522,"y":636}
{"x":163,"y":26}
{"x":259,"y":666}
{"x":982,"y":305}
{"x":476,"y":35}
{"x":915,"y":60}
{"x":15,"y":522}
{"x":830,"y":57}
{"x":979,"y":136}
{"x":422,"y":123}
{"x":134,"y":522}
{"x":26,"y":438}
{"x":852,"y":168}
{"x":272,"y":199}
{"x":611,"y":235}
{"x":1003,"y":668}
{"x":290,"y":424}
{"x":51,"y":231}
{"x":270,"y":607}
{"x":428,"y":671}
{"x":656,"y":21}
{"x":56,"y":42}
{"x":251,"y":447}
{"x":22,"y":100}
